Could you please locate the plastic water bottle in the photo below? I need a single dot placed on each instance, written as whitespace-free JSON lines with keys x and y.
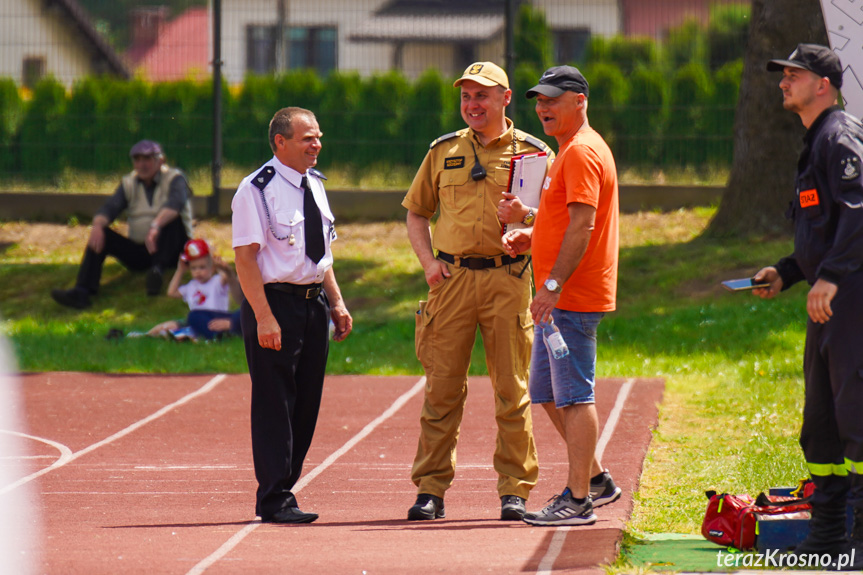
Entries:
{"x":554,"y":340}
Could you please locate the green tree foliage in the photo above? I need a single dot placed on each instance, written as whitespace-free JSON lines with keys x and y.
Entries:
{"x":11,"y":109}
{"x":532,"y":38}
{"x":42,"y":129}
{"x":721,"y":112}
{"x":121,"y":123}
{"x":652,"y":113}
{"x":336,"y":114}
{"x":246,"y":123}
{"x":691,"y":93}
{"x":643,"y":119}
{"x":526,"y":76}
{"x":379,"y":137}
{"x":80,"y":133}
{"x":609,"y":93}
{"x":727,"y":33}
{"x":429,"y":105}
{"x":626,"y":53}
{"x":686,"y":44}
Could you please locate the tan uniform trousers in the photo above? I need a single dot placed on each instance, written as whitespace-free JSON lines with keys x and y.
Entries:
{"x":497,"y":301}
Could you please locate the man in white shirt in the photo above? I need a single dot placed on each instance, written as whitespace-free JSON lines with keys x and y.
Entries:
{"x":282,"y":229}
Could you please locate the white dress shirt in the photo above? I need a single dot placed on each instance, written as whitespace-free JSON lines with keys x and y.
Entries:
{"x":281,"y":260}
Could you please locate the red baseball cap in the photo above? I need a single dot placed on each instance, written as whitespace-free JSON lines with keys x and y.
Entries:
{"x":195,"y":249}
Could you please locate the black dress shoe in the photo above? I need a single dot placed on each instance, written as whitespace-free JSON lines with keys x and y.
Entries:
{"x":511,"y":508}
{"x":290,"y":515}
{"x":77,"y":298}
{"x":427,"y":507}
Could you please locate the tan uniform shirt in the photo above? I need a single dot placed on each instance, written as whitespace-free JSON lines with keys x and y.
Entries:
{"x":468,"y":223}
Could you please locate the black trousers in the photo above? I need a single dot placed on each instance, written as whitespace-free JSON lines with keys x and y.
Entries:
{"x":832,"y":432}
{"x":132,"y":255}
{"x":286,"y":393}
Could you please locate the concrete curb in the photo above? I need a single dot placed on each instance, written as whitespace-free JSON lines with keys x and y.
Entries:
{"x":348,"y":205}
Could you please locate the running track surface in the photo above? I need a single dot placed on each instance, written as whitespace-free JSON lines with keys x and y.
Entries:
{"x":153,"y":474}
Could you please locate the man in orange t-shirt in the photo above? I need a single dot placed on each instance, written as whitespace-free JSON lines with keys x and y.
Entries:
{"x":575,"y":249}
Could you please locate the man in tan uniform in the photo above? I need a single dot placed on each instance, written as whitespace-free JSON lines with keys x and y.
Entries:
{"x":472,"y":282}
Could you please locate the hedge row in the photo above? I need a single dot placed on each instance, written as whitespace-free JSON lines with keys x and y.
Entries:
{"x":650,"y":118}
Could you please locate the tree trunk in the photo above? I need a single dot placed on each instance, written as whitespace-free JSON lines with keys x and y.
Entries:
{"x":767,"y":138}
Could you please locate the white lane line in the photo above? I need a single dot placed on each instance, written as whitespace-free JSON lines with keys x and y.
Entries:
{"x":67,"y":456}
{"x":235,"y":540}
{"x":557,"y":541}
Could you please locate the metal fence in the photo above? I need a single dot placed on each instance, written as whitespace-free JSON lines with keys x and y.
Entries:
{"x":80,"y":80}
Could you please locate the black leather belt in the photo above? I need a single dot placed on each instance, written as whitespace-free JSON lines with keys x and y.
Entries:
{"x":308,"y":291}
{"x":479,"y":263}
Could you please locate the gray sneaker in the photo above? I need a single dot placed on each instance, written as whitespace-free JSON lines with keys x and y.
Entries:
{"x":563,"y":510}
{"x":603,"y":490}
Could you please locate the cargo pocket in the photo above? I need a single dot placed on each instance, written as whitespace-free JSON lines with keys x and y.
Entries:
{"x":524,"y":344}
{"x":422,"y":334}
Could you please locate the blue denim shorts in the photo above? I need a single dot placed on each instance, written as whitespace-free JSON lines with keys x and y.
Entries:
{"x":569,"y":380}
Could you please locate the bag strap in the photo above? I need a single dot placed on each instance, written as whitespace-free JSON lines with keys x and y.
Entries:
{"x":764,"y":501}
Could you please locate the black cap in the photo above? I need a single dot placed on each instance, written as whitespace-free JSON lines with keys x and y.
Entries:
{"x":813,"y":57}
{"x":557,"y":80}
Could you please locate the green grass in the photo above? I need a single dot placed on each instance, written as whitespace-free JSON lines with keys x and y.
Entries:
{"x":732,"y":362}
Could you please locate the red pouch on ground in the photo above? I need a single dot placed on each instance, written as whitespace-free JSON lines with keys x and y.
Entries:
{"x":730,"y":520}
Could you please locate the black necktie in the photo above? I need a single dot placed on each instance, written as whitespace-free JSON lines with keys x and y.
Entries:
{"x":314,"y":229}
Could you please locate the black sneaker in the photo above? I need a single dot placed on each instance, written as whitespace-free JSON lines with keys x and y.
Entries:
{"x":77,"y":298}
{"x":511,"y":508}
{"x":427,"y":507}
{"x":154,"y":281}
{"x":603,"y":490}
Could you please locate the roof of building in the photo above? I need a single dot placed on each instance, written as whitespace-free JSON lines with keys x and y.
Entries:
{"x":433,"y":21}
{"x":181,"y":51}
{"x":105,"y":57}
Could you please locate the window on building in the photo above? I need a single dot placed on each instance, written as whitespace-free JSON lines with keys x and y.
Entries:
{"x":304,"y":47}
{"x":312,"y":47}
{"x":261,"y":49}
{"x":33,"y":70}
{"x":570,"y":45}
{"x":465,"y":55}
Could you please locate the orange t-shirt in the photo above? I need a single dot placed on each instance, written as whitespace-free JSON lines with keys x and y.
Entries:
{"x":583,"y":172}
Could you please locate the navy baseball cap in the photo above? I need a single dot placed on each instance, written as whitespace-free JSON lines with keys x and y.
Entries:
{"x":816,"y":58}
{"x":146,"y":148}
{"x":557,"y":80}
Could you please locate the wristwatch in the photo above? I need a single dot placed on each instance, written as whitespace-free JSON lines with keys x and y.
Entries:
{"x":552,"y":286}
{"x":529,"y":217}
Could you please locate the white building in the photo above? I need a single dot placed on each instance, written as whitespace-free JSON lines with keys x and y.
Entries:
{"x":379,"y":35}
{"x":52,"y":37}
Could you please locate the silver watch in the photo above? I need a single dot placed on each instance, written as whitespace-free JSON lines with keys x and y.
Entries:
{"x":552,"y":286}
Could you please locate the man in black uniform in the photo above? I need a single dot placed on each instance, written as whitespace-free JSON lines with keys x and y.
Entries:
{"x":158,"y":205}
{"x":828,"y":254}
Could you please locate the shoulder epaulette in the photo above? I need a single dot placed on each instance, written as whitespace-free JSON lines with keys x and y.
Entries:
{"x":263,"y":177}
{"x":442,"y":138}
{"x":317,"y":174}
{"x":536,"y":142}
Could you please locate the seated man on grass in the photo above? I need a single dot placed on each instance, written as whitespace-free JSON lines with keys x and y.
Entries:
{"x":158,"y":205}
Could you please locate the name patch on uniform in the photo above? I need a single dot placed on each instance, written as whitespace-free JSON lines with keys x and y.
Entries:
{"x":453,"y":163}
{"x":809,"y":198}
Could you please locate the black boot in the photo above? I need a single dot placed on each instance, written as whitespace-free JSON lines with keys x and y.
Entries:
{"x":855,"y":542}
{"x":826,"y":532}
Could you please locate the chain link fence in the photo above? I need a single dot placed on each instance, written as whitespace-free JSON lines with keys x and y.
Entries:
{"x":81,"y":80}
